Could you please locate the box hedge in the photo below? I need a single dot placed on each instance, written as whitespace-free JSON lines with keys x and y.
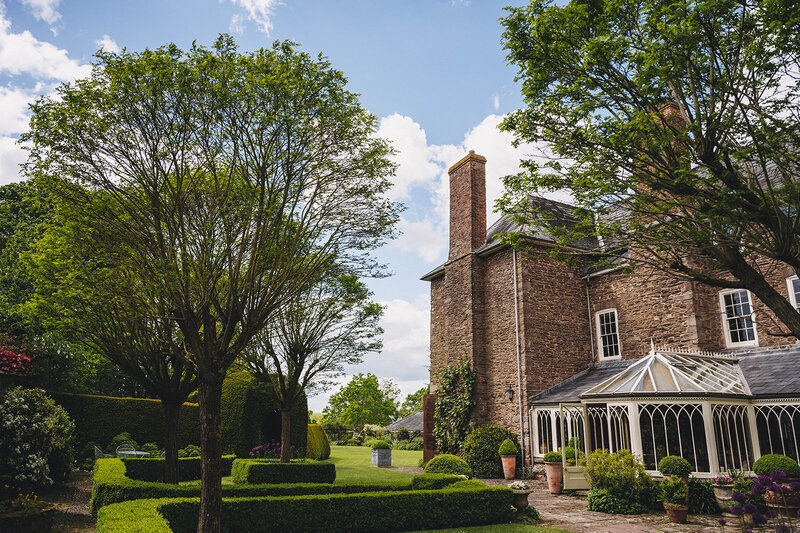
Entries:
{"x":153,"y":469}
{"x":254,"y":471}
{"x":111,"y":484}
{"x":364,"y":512}
{"x":317,"y":444}
{"x":100,"y":418}
{"x":250,"y":417}
{"x":433,"y":481}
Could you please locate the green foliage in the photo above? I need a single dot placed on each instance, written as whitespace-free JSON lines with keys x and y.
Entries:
{"x":415,"y":445}
{"x":701,"y":497}
{"x":620,"y":475}
{"x":674,"y":491}
{"x":446,"y":463}
{"x":271,"y":471}
{"x":247,"y":407}
{"x":381,"y":445}
{"x":120,"y":439}
{"x":603,"y":501}
{"x":481,"y":450}
{"x":508,"y":448}
{"x":413,"y":402}
{"x":771,"y":462}
{"x":431,"y":481}
{"x":553,"y":457}
{"x":103,"y":418}
{"x":317,"y":443}
{"x":403,"y":434}
{"x":191,"y":450}
{"x":388,"y":511}
{"x":454,"y":403}
{"x":467,"y":484}
{"x":37,"y":439}
{"x":152,"y":469}
{"x":745,"y":486}
{"x":364,"y":400}
{"x":672,"y":465}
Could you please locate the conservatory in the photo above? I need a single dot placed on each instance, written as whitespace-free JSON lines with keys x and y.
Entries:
{"x":719,"y":411}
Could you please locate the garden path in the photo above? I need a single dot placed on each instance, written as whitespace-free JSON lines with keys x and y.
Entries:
{"x":72,"y":505}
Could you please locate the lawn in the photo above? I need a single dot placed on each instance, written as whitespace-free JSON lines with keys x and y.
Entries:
{"x":499,"y":528}
{"x":353,"y":463}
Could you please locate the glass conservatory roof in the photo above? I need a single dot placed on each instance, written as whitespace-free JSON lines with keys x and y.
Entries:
{"x":676,"y":371}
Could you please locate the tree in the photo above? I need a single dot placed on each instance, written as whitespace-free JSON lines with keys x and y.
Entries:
{"x":89,"y":299}
{"x":413,"y":402}
{"x":364,"y":400}
{"x":310,"y":338}
{"x":675,"y":127}
{"x":233,"y":180}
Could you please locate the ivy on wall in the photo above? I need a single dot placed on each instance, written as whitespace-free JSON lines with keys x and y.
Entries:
{"x":455,"y":401}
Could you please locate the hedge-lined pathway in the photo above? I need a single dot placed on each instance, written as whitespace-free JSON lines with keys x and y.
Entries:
{"x":72,"y":505}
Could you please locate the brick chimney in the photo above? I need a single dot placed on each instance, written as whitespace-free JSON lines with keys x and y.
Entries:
{"x":467,"y":205}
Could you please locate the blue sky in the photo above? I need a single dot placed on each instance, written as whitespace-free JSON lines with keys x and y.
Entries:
{"x":432,"y":71}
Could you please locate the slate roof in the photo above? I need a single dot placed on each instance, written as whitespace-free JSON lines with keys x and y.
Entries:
{"x":570,"y":389}
{"x":412,"y":422}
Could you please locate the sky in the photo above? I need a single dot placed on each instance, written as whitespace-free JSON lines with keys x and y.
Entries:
{"x":433,"y":72}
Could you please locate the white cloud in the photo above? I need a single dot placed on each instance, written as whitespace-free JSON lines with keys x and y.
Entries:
{"x":14,"y":103}
{"x":108,"y":44}
{"x":496,"y":101}
{"x":258,"y":11}
{"x":46,"y":10}
{"x":11,"y":156}
{"x":423,"y":237}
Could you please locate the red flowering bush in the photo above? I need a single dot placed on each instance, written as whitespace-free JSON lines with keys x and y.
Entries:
{"x":14,"y":363}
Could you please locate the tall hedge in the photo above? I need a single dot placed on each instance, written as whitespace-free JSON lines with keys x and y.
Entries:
{"x":250,"y":417}
{"x":481,"y":450}
{"x":100,"y":418}
{"x":318,"y":446}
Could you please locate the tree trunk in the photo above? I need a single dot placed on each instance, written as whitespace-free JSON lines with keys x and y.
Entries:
{"x":210,"y":399}
{"x":172,"y":412}
{"x":286,"y":435}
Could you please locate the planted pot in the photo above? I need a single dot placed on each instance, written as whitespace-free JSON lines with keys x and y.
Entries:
{"x":555,"y":474}
{"x":382,"y":457}
{"x":509,"y":465}
{"x":31,"y":520}
{"x":521,"y":500}
{"x":785,"y":502}
{"x":724,"y":496}
{"x":677,"y":513}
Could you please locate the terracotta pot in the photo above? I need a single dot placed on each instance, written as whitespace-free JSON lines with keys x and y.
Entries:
{"x":521,"y":500}
{"x":786,"y":503}
{"x":677,"y":513}
{"x":555,"y":474}
{"x":509,"y":465}
{"x":724,"y":496}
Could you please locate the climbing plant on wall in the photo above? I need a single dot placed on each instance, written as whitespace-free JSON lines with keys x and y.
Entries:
{"x":456,"y":399}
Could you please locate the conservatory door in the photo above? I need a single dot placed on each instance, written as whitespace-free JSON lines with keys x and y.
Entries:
{"x":574,"y":425}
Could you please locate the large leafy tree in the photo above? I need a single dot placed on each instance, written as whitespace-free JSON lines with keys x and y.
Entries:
{"x":364,"y":400}
{"x":310,"y":338}
{"x":676,"y":127}
{"x":233,"y":180}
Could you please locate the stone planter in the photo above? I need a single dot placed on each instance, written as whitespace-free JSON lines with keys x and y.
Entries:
{"x":724,"y":496}
{"x":382,"y":458}
{"x":521,"y":500}
{"x":28,"y":521}
{"x":677,"y":513}
{"x":555,"y":474}
{"x":509,"y":465}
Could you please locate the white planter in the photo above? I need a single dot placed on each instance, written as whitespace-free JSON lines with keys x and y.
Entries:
{"x":382,"y":458}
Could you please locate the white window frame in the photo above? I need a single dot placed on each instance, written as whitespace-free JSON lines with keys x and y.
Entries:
{"x":790,"y":287}
{"x":600,"y":350}
{"x":724,"y":315}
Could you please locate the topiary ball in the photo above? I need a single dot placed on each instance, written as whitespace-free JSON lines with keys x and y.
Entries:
{"x":481,"y":450}
{"x":552,"y":457}
{"x":381,"y":445}
{"x":448,"y":464}
{"x":672,"y":465}
{"x":769,"y":463}
{"x":508,"y":448}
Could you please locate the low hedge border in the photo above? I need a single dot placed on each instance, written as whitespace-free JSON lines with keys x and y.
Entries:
{"x":111,"y":485}
{"x":365,"y":512}
{"x":153,"y":469}
{"x":433,"y":481}
{"x":255,"y":471}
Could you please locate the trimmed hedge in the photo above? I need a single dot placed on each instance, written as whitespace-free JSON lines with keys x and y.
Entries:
{"x":250,"y":417}
{"x":111,"y":485}
{"x":317,"y":444}
{"x":153,"y":469}
{"x":366,"y":512}
{"x":433,"y":481}
{"x":254,"y":471}
{"x":100,"y":418}
{"x":673,"y":465}
{"x":481,"y":450}
{"x":446,"y":463}
{"x":771,"y":462}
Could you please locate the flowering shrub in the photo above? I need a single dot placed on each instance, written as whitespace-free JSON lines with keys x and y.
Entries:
{"x":728,"y":478}
{"x":519,"y":485}
{"x":775,"y":483}
{"x":15,"y":363}
{"x":271,"y":450}
{"x":36,"y":438}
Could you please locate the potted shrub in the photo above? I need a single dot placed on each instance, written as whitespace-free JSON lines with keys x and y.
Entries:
{"x":508,"y":455}
{"x":675,"y":495}
{"x":521,"y":492}
{"x":723,"y":490}
{"x":674,"y":466}
{"x":778,"y":478}
{"x":381,"y":454}
{"x":554,"y":470}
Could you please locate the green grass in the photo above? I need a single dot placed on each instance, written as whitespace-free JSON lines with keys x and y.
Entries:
{"x":499,"y":528}
{"x":353,"y":463}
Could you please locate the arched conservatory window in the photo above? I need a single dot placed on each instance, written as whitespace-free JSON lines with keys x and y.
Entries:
{"x":778,"y":429}
{"x":598,"y":427}
{"x":732,"y":435}
{"x":673,"y":429}
{"x":620,"y":433}
{"x":544,"y":430}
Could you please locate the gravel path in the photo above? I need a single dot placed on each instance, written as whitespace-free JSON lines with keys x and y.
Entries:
{"x":72,"y":505}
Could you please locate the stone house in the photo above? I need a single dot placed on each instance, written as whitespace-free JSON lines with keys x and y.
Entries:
{"x":620,"y":360}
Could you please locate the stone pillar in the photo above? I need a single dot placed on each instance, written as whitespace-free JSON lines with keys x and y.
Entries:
{"x":429,"y":448}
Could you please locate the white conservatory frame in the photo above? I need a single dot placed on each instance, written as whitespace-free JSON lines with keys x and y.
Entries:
{"x":698,"y":406}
